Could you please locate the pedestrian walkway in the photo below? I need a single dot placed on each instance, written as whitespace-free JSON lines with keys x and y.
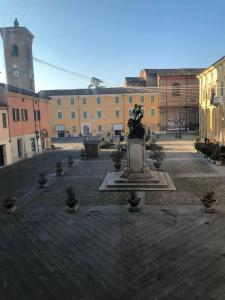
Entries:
{"x":169,"y":250}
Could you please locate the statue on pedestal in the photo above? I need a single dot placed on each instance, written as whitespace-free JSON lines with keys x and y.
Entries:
{"x":136,"y":129}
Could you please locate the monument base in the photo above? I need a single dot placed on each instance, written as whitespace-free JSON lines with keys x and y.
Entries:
{"x":160,"y":182}
{"x":137,"y":176}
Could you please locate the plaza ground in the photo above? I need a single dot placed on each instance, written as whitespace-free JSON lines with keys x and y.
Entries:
{"x":169,"y":250}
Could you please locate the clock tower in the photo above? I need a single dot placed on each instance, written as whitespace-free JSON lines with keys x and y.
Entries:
{"x":17,"y":43}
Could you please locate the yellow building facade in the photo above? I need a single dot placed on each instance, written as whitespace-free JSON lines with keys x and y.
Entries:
{"x":98,"y":112}
{"x":212,"y":102}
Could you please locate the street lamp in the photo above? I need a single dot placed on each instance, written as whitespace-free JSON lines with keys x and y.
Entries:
{"x":179,"y":136}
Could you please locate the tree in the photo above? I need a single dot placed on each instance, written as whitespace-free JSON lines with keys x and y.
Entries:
{"x":95,"y":83}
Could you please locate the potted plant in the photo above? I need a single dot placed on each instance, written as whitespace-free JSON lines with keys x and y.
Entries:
{"x":82,"y":153}
{"x":71,"y":200}
{"x":217,"y":155}
{"x":134,"y":201}
{"x":158,"y":156}
{"x":9,"y":204}
{"x":116,"y":158}
{"x":208,"y":201}
{"x":70,"y":161}
{"x":42,"y":180}
{"x":58,"y":169}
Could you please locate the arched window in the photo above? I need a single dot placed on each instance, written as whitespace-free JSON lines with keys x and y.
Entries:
{"x":14,"y":52}
{"x":176,"y":89}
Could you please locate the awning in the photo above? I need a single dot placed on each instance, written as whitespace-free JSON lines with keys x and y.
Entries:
{"x":117,"y":127}
{"x":59,"y":128}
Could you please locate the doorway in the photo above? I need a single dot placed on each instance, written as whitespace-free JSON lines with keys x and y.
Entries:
{"x":86,"y":130}
{"x":19,"y":147}
{"x":2,"y":160}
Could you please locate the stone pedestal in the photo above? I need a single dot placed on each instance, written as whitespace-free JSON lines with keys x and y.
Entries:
{"x":136,"y":155}
{"x":137,"y":176}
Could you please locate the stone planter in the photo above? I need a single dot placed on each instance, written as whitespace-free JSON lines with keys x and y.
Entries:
{"x":117,"y":166}
{"x":71,"y":210}
{"x":10,"y":210}
{"x":134,"y":201}
{"x":157,"y":165}
{"x":218,"y":162}
{"x":208,"y":209}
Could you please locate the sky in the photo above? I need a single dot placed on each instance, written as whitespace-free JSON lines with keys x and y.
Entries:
{"x":112,"y":39}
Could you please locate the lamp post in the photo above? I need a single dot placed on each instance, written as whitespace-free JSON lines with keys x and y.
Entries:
{"x":179,"y":136}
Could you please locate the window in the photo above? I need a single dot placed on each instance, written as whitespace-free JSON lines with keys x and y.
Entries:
{"x":59,"y":115}
{"x":98,"y":100}
{"x":37,"y":115}
{"x":84,"y":101}
{"x":99,"y":127}
{"x":4,"y":120}
{"x":130,"y":100}
{"x":99,"y":114}
{"x":117,"y":100}
{"x":130,"y":112}
{"x":14,"y":52}
{"x":152,"y":112}
{"x":222,"y":89}
{"x":176,"y":89}
{"x":24,"y":115}
{"x":117,"y":113}
{"x":58,"y":101}
{"x":85,"y":114}
{"x":152,"y":98}
{"x":142,"y":98}
{"x":16,"y":114}
{"x":73,"y":115}
{"x":72,"y":101}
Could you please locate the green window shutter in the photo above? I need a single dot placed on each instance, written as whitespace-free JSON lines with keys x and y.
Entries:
{"x":99,"y":114}
{"x":59,"y":115}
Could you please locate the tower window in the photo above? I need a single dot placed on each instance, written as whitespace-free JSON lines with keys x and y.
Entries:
{"x":14,"y":52}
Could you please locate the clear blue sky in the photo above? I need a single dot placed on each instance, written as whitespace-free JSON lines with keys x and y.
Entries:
{"x":111,"y":39}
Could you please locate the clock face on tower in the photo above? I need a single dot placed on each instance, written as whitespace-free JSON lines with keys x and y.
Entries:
{"x":16,"y":73}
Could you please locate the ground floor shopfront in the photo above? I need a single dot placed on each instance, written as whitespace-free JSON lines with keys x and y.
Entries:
{"x":176,"y":118}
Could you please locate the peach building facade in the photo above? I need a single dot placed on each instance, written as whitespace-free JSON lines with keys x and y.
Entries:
{"x":27,"y":122}
{"x":5,"y":150}
{"x":98,"y":112}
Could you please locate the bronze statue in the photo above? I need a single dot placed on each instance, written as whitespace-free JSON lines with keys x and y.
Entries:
{"x":136,"y":129}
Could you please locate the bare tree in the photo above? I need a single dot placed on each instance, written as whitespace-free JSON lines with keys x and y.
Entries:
{"x":95,"y":83}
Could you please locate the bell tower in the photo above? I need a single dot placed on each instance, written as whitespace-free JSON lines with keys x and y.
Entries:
{"x":17,"y":43}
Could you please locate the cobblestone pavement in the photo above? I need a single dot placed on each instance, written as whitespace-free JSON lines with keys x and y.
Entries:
{"x":104,"y":252}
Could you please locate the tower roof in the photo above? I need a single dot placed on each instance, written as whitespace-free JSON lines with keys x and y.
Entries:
{"x":16,"y":23}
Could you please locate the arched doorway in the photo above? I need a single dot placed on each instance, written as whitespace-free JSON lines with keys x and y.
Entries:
{"x":86,"y":130}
